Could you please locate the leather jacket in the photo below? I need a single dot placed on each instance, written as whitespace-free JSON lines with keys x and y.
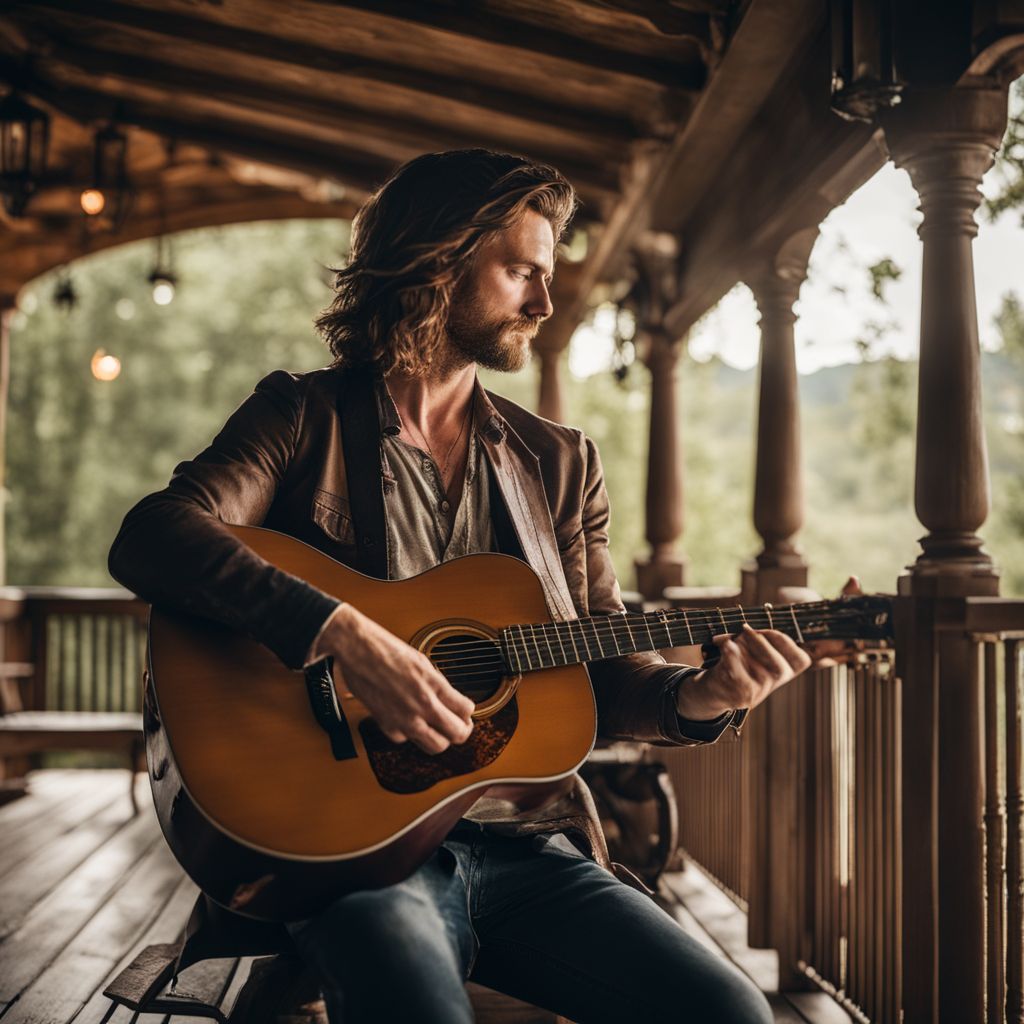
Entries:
{"x":279,"y":462}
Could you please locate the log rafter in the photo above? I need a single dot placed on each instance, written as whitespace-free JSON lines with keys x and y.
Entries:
{"x":511,"y":33}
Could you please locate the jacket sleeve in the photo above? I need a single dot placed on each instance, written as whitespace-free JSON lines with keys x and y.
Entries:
{"x":173,"y":548}
{"x":636,"y":694}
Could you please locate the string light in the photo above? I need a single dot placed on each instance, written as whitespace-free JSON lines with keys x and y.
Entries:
{"x":93,"y":201}
{"x":104,"y":366}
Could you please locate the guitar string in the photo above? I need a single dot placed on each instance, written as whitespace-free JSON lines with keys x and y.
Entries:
{"x":619,"y":626}
{"x":468,"y":658}
{"x":628,"y":620}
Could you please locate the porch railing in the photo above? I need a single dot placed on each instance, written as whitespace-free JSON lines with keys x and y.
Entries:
{"x":84,"y":649}
{"x":804,"y":821}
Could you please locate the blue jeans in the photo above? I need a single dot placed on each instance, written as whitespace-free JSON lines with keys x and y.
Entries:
{"x":530,"y":917}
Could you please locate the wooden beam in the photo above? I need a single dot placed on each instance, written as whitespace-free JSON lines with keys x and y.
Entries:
{"x":107,"y":14}
{"x":596,"y":180}
{"x":667,"y":18}
{"x":511,"y":33}
{"x":249,"y":92}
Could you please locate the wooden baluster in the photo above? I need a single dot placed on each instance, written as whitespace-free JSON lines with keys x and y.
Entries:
{"x":6,"y":315}
{"x":946,"y":139}
{"x":994,"y":837}
{"x":1014,"y":683}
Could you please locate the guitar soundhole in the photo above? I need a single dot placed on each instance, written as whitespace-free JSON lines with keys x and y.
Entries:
{"x":472,"y":664}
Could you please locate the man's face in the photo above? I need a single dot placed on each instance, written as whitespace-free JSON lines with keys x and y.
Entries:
{"x":498,"y":306}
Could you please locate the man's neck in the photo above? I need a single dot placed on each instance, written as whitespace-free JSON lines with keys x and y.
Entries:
{"x":436,"y":404}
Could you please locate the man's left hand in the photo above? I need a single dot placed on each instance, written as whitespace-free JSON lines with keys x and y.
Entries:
{"x":752,"y":665}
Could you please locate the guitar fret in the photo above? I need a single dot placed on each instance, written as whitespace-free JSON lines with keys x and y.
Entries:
{"x":614,"y":633}
{"x":512,"y":649}
{"x":572,"y":640}
{"x":796,"y":625}
{"x":650,"y":636}
{"x":725,"y":625}
{"x":547,"y":643}
{"x":663,"y":615}
{"x":525,"y":652}
{"x":597,"y":637}
{"x":768,"y":612}
{"x":558,"y":636}
{"x":634,"y":646}
{"x":536,"y":647}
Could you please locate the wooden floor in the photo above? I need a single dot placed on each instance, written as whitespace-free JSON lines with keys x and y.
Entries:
{"x":84,"y":886}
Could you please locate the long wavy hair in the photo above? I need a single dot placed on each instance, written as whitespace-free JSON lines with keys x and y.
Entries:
{"x":413,"y":240}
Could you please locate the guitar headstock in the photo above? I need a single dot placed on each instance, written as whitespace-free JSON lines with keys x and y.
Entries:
{"x":851,"y":617}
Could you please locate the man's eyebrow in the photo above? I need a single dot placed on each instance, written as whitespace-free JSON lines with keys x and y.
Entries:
{"x":549,"y":274}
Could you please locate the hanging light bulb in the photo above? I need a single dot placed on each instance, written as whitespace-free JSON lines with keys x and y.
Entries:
{"x":105,"y":366}
{"x":164,"y":283}
{"x":93,"y":201}
{"x":65,"y":298}
{"x":24,"y":141}
{"x":109,"y":193}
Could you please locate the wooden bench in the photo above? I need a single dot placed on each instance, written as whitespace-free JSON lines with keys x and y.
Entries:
{"x":26,"y":730}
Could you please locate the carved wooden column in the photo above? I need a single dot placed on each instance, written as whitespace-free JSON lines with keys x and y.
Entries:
{"x":655,"y":291}
{"x":778,"y":482}
{"x":946,"y":140}
{"x":777,"y":733}
{"x":550,"y":402}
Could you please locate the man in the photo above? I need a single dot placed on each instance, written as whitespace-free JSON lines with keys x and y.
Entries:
{"x":450,"y":268}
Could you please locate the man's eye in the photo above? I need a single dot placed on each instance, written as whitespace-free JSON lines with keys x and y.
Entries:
{"x":521,"y":275}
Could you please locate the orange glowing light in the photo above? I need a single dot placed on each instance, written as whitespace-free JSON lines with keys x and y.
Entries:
{"x":93,"y":201}
{"x":104,"y":366}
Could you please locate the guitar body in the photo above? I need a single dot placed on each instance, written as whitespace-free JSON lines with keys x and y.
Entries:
{"x":272,"y":813}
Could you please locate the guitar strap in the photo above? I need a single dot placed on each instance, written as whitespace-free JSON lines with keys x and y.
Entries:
{"x":360,"y":438}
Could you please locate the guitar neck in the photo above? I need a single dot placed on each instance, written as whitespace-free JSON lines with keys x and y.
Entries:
{"x":543,"y":645}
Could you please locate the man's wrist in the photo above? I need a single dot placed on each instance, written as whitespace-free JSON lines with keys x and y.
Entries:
{"x":317,"y":649}
{"x":694,"y":705}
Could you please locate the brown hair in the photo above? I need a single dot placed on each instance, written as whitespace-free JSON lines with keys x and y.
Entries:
{"x":414,"y":238}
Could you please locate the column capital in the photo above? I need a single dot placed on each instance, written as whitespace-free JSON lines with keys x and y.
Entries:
{"x":777,"y":280}
{"x":946,"y":139}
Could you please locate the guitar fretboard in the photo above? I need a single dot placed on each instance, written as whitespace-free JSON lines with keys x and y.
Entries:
{"x":552,"y":644}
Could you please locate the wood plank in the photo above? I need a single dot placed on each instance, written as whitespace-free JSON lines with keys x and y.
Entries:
{"x":33,"y":835}
{"x":56,"y":919}
{"x":42,"y":800}
{"x":129,"y":29}
{"x":817,"y":1008}
{"x":166,"y":926}
{"x":488,"y":30}
{"x":68,"y":984}
{"x":726,"y":924}
{"x":43,"y":868}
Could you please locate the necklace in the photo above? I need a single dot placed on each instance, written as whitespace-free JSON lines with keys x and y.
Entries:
{"x":444,"y":466}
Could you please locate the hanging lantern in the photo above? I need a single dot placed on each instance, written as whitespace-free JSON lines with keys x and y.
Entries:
{"x":24,"y":140}
{"x":864,"y":78}
{"x":108,"y":193}
{"x":65,"y":298}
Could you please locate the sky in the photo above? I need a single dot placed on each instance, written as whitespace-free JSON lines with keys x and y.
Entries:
{"x":836,"y":305}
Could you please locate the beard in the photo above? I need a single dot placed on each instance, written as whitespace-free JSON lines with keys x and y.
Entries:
{"x":502,"y":345}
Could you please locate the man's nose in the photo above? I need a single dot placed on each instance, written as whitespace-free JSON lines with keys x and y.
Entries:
{"x":538,"y":303}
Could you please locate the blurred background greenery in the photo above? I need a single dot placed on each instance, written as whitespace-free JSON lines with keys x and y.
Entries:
{"x":81,"y":451}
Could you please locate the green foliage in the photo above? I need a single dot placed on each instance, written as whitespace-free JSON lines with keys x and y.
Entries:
{"x":1010,"y":160}
{"x":881,"y":273}
{"x":81,"y":452}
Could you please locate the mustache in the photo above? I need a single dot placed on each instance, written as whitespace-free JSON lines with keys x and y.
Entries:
{"x":526,"y":323}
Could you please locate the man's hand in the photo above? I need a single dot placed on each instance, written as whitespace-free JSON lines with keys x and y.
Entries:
{"x":753,"y":665}
{"x":406,"y":695}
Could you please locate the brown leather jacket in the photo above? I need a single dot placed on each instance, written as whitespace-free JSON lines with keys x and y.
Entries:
{"x":279,"y":462}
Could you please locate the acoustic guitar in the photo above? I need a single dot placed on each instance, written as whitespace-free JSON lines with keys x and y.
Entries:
{"x":278,"y":792}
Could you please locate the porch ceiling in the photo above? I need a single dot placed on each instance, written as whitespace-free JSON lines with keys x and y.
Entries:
{"x":252,"y":109}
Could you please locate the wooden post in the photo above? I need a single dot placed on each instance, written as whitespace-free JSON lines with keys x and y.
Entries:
{"x":653,"y":295}
{"x":780,"y":904}
{"x":778,"y":481}
{"x":550,"y":403}
{"x":946,"y":139}
{"x":6,"y":314}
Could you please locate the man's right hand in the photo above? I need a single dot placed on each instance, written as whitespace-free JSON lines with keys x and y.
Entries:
{"x":406,"y":695}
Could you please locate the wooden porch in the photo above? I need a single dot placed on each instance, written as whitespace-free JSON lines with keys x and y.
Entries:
{"x":86,"y":884}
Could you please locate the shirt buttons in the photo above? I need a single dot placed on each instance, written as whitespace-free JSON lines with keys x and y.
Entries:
{"x":445,"y":506}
